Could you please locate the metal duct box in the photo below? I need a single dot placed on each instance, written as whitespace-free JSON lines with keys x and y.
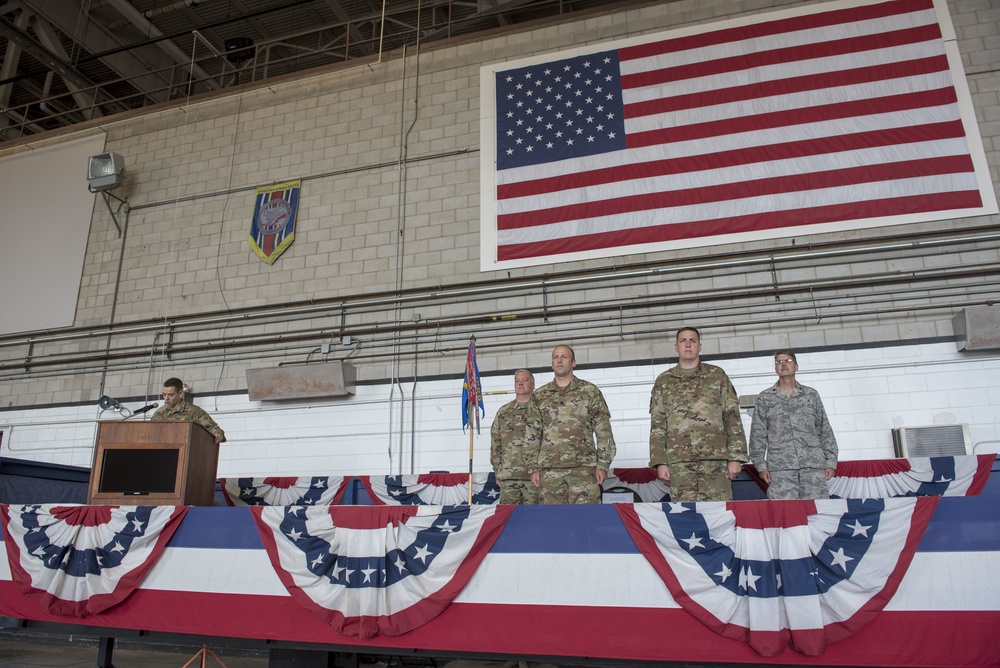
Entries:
{"x":303,"y":381}
{"x":977,"y":328}
{"x":942,"y":440}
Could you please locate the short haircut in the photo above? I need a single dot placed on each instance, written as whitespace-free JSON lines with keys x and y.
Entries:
{"x":687,"y":329}
{"x":530,"y":375}
{"x":786,"y":352}
{"x":572,"y":353}
{"x":174,"y":383}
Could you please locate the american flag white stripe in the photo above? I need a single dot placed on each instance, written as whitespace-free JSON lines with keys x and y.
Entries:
{"x":849,"y":116}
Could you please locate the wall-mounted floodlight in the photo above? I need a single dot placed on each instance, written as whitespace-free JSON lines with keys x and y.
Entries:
{"x":105,"y":171}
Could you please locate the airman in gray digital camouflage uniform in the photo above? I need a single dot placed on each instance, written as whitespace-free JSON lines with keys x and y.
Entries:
{"x":577,"y":443}
{"x":515,"y":438}
{"x":791,"y":440}
{"x":696,"y":439}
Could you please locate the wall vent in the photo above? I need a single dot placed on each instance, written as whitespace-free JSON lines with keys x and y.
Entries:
{"x":941,"y":440}
{"x":301,"y":381}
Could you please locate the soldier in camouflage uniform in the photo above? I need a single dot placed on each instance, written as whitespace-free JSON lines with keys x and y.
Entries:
{"x":791,"y":441}
{"x":174,"y":408}
{"x":571,"y":466}
{"x":515,"y":438}
{"x":696,"y":439}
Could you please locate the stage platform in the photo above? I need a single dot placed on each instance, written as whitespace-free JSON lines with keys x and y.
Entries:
{"x":912,"y":581}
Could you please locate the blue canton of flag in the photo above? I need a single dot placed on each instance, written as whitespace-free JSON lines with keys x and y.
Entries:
{"x":563,"y":109}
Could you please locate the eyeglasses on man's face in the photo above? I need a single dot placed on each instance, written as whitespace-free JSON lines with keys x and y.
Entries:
{"x":780,"y":362}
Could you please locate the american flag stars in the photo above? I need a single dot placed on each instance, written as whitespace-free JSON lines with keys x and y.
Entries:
{"x":558,"y":110}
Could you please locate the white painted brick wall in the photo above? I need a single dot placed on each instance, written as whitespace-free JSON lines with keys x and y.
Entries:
{"x":867,"y":392}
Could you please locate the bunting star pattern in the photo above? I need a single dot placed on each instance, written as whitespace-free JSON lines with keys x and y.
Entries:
{"x":82,"y":560}
{"x":284,"y":491}
{"x":781,"y":573}
{"x":370,"y":571}
{"x":442,"y":489}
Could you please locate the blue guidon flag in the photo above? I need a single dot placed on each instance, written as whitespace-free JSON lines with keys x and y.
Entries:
{"x":432,"y":489}
{"x":284,"y":491}
{"x":801,"y":574}
{"x":377,"y":570}
{"x":82,"y":560}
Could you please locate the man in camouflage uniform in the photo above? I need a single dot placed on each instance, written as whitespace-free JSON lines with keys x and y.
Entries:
{"x":571,"y":466}
{"x":174,"y":408}
{"x":696,"y":439}
{"x":515,"y":438}
{"x":791,"y":440}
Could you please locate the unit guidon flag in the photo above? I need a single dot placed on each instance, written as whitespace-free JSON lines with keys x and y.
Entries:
{"x":822,"y":118}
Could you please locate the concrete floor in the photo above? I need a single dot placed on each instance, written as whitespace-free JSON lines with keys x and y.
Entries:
{"x":18,"y":651}
{"x":27,"y":649}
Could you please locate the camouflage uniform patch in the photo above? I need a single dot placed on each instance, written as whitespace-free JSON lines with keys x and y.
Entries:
{"x":703,"y":480}
{"x":695,"y":417}
{"x":793,"y":434}
{"x":185,"y":412}
{"x":576,"y":440}
{"x":515,"y":437}
{"x":798,"y":484}
{"x":520,"y":492}
{"x":569,"y":486}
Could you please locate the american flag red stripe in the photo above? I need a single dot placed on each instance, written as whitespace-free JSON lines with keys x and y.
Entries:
{"x":850,"y":117}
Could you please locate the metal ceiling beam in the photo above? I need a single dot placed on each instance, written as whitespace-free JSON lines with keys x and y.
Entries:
{"x":126,"y":9}
{"x":29,"y":45}
{"x":47,"y":35}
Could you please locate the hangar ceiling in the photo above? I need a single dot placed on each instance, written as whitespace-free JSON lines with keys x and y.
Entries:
{"x":69,"y":61}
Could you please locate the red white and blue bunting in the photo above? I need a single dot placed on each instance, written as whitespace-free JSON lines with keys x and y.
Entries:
{"x":82,"y":560}
{"x":781,"y":573}
{"x":434,"y":489}
{"x":377,"y":570}
{"x":917,"y":476}
{"x":284,"y":491}
{"x":641,"y":481}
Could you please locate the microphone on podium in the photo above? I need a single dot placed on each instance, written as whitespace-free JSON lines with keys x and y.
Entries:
{"x":145,"y":409}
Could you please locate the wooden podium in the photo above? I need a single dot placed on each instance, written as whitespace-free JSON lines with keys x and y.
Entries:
{"x":153,"y":464}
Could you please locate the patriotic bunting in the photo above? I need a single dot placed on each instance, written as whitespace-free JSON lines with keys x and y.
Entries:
{"x":370,"y":571}
{"x":433,"y":489}
{"x":801,"y":574}
{"x":918,"y":476}
{"x":284,"y":491}
{"x":82,"y":560}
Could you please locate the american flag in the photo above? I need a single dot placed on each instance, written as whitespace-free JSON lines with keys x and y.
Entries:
{"x":812,"y":120}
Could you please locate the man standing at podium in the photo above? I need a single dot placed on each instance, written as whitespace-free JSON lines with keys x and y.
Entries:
{"x":174,"y":408}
